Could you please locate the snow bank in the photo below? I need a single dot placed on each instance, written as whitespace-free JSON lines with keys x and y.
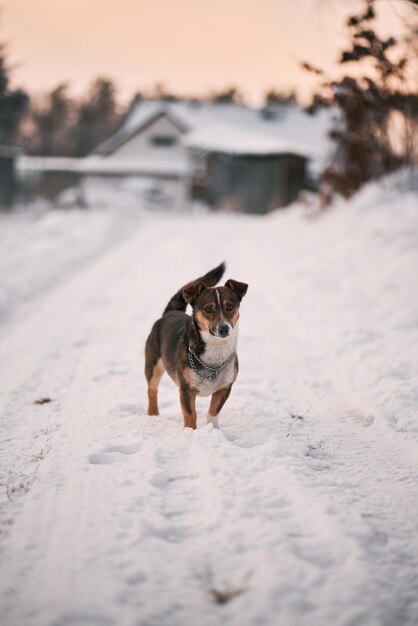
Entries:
{"x":40,"y":248}
{"x":350,"y":286}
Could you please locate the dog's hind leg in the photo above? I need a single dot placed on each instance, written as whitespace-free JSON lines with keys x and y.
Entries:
{"x":154,"y":369}
{"x":156,"y":373}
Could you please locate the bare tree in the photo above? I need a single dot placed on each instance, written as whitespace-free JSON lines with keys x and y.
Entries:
{"x":366,"y":103}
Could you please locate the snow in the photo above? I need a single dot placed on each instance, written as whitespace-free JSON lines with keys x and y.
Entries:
{"x":40,"y":247}
{"x":301,"y":509}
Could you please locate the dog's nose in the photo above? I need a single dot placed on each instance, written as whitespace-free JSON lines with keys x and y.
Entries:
{"x":223,"y":330}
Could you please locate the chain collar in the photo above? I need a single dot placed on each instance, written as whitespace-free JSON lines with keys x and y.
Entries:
{"x":212,"y":372}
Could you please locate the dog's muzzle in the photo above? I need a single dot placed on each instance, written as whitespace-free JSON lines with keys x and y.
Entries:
{"x":224,"y":330}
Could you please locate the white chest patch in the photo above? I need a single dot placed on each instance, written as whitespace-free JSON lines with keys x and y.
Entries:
{"x":217,"y":351}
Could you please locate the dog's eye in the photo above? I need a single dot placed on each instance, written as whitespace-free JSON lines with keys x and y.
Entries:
{"x":208,"y":309}
{"x":230,"y":307}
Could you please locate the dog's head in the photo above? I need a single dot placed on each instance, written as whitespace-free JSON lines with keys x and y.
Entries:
{"x":216,"y":309}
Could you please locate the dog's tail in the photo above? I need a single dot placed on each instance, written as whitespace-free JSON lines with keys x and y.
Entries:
{"x":178,"y":303}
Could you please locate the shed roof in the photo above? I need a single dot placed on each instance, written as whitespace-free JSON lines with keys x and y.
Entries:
{"x":96,"y":165}
{"x":231,"y":139}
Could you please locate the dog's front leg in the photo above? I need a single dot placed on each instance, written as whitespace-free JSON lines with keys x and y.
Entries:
{"x":218,"y":400}
{"x":188,"y":406}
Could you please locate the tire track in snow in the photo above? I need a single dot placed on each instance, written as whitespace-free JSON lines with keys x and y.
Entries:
{"x":79,"y":314}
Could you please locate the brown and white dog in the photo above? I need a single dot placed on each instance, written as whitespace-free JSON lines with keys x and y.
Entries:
{"x":197,"y":351}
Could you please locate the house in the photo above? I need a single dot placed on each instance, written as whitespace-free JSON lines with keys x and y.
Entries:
{"x":147,"y":149}
{"x":224,"y":154}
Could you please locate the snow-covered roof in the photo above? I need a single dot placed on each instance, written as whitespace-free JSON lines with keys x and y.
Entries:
{"x":48,"y":164}
{"x":140,"y":166}
{"x":235,"y":127}
{"x":231,"y":139}
{"x":98,"y":165}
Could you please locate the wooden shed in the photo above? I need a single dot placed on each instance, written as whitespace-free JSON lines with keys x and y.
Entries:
{"x":243,"y":171}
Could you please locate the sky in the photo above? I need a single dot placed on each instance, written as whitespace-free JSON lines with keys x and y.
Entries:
{"x":191,"y":46}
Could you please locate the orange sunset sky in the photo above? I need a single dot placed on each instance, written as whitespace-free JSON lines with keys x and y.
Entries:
{"x":189,"y":45}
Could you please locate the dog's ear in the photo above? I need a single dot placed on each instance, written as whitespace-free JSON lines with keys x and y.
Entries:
{"x":192,"y":291}
{"x":239,"y":289}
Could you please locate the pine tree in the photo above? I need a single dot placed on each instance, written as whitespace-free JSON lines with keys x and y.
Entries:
{"x":276,"y":97}
{"x":98,"y":117}
{"x":229,"y":95}
{"x":52,"y":121}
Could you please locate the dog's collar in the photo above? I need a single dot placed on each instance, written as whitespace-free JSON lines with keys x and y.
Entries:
{"x":211,"y":372}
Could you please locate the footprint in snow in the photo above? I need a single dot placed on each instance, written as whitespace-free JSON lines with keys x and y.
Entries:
{"x":319,"y":457}
{"x":114,"y":454}
{"x":111,"y":373}
{"x":127,"y":408}
{"x":359,"y":417}
{"x":130,"y":448}
{"x":79,"y":619}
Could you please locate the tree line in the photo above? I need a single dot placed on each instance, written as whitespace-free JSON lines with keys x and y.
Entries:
{"x":61,"y":125}
{"x":58,"y":124}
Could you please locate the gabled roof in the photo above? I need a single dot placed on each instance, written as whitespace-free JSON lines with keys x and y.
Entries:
{"x":128,"y":132}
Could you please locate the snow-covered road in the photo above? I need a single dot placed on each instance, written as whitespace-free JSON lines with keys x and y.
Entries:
{"x":303,"y":509}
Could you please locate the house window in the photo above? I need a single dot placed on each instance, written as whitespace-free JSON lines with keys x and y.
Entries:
{"x":163,"y":141}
